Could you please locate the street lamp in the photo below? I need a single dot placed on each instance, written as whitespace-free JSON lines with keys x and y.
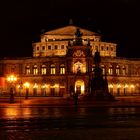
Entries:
{"x":12,"y":79}
{"x":27,"y":89}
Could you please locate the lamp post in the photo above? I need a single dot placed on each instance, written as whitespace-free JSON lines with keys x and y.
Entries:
{"x":27,"y":89}
{"x":12,"y":79}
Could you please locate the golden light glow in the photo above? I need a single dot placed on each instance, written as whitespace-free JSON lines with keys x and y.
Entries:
{"x":82,"y":89}
{"x":80,"y":84}
{"x":35,"y":85}
{"x":11,"y":78}
{"x":118,"y":86}
{"x":56,"y":85}
{"x":11,"y":112}
{"x":110,"y":86}
{"x":27,"y":85}
{"x":78,"y":66}
{"x":132,"y":86}
{"x":43,"y":86}
{"x":47,"y":86}
{"x":125,"y":86}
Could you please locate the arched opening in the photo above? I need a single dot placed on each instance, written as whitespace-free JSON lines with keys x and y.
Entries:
{"x":79,"y":67}
{"x":80,"y":87}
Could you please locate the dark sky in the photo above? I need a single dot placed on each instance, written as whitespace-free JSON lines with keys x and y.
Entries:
{"x":117,"y":20}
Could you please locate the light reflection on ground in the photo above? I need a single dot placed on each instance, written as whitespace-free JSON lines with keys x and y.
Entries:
{"x":56,"y":112}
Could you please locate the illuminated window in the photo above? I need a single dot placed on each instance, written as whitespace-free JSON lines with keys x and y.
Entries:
{"x":110,"y":87}
{"x":35,"y":87}
{"x":79,"y":67}
{"x":43,"y":70}
{"x":28,"y":70}
{"x":110,"y":70}
{"x":52,"y":69}
{"x":103,"y":69}
{"x":136,"y":70}
{"x":117,"y":70}
{"x":93,"y":67}
{"x":132,"y":88}
{"x":124,"y":70}
{"x":35,"y":70}
{"x":62,"y":69}
{"x":125,"y":89}
{"x":118,"y":89}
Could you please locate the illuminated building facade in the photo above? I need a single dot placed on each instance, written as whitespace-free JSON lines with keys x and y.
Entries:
{"x":57,"y":59}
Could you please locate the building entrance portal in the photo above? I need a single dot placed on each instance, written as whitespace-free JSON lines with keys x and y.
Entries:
{"x":80,"y":87}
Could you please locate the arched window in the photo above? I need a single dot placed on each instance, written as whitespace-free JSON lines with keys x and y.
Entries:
{"x":93,"y":67}
{"x":102,"y":48}
{"x":124,"y":70}
{"x":37,"y":48}
{"x":62,"y":69}
{"x":43,"y":48}
{"x":110,"y":70}
{"x":117,"y":69}
{"x":103,"y":69}
{"x":79,"y":67}
{"x":118,"y":89}
{"x":13,"y":68}
{"x":28,"y":70}
{"x":35,"y":70}
{"x":136,"y":70}
{"x":62,"y":46}
{"x":96,"y":48}
{"x":52,"y":69}
{"x":43,"y":70}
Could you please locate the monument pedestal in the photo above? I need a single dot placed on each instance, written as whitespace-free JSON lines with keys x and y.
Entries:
{"x":98,"y":82}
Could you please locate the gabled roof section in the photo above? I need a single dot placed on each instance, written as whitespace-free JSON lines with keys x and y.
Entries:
{"x":70,"y":30}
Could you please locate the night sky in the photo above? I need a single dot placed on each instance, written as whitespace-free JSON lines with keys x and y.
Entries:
{"x":22,"y":22}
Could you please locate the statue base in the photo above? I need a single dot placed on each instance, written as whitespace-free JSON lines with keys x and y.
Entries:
{"x":100,"y":95}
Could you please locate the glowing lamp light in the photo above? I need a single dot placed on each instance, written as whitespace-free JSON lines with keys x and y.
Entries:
{"x":126,"y":86}
{"x":43,"y":86}
{"x":110,"y":86}
{"x":132,"y":86}
{"x":82,"y":89}
{"x":35,"y":86}
{"x":118,"y":86}
{"x":27,"y":85}
{"x":56,"y":85}
{"x":11,"y":78}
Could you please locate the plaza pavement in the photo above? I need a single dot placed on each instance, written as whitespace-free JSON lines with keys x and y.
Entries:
{"x":122,"y":101}
{"x":97,"y":133}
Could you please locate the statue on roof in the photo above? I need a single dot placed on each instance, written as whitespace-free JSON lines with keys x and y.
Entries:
{"x":78,"y":33}
{"x":78,"y":38}
{"x":70,"y":22}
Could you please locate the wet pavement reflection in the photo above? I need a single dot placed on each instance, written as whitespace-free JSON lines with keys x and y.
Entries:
{"x":39,"y":118}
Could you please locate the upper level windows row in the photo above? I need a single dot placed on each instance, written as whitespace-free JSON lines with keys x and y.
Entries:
{"x":49,"y":47}
{"x":103,"y":48}
{"x":35,"y":70}
{"x":110,"y":70}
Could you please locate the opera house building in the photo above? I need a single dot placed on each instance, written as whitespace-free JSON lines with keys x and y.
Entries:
{"x":63,"y":58}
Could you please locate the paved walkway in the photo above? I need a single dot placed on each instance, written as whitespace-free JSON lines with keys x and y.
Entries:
{"x":67,"y":102}
{"x":76,"y":134}
{"x":98,"y":133}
